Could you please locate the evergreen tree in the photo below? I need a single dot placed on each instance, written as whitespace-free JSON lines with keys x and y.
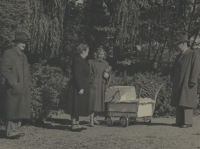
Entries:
{"x":14,"y":16}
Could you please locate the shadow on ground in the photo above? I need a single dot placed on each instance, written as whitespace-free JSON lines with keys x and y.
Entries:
{"x":2,"y":134}
{"x":117,"y":123}
{"x":58,"y":124}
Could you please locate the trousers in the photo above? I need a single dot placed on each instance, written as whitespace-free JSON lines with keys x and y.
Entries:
{"x":184,"y":115}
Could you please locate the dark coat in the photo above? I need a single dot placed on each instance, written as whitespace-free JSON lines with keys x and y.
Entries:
{"x":98,"y":85}
{"x":15,"y":69}
{"x":78,"y":105}
{"x":185,"y":70}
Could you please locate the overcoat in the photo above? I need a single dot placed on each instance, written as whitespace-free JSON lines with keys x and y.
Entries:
{"x":98,"y":85}
{"x":78,"y":105}
{"x":15,"y":70}
{"x":185,"y":70}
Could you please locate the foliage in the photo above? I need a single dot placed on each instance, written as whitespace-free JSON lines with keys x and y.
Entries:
{"x":2,"y":101}
{"x":48,"y":88}
{"x":96,"y":21}
{"x":126,"y":21}
{"x":154,"y":24}
{"x":73,"y":33}
{"x":46,"y":29}
{"x":197,"y":110}
{"x":14,"y":16}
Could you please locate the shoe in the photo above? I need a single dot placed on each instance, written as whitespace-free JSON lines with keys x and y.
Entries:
{"x":96,"y":122}
{"x":176,"y":124}
{"x":186,"y":126}
{"x":17,"y":136}
{"x":91,"y":123}
{"x":75,"y":128}
{"x":21,"y":134}
{"x":13,"y":137}
{"x":81,"y":128}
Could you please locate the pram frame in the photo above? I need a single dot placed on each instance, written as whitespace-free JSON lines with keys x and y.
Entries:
{"x":127,"y":117}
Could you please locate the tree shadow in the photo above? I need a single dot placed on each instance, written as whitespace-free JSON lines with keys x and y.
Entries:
{"x":58,"y":124}
{"x":117,"y":123}
{"x":151,"y":124}
{"x":59,"y":121}
{"x":2,"y":134}
{"x":57,"y":127}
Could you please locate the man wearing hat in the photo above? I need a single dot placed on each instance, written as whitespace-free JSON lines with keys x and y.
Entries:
{"x":185,"y":73}
{"x":15,"y":70}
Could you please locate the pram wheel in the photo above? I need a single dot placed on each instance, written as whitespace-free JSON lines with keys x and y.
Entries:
{"x":132,"y":120}
{"x":124,"y":121}
{"x":109,"y":121}
{"x":147,"y":119}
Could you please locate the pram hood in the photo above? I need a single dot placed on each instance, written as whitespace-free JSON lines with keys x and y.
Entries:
{"x":120,"y":94}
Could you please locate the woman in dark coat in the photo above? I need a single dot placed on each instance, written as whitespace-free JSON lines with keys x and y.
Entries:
{"x":98,"y":84}
{"x":78,"y":91}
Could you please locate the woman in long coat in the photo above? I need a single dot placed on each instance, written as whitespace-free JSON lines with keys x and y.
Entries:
{"x":97,"y":85}
{"x":78,"y":91}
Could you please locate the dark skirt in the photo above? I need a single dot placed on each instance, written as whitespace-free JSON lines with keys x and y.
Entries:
{"x":77,"y":105}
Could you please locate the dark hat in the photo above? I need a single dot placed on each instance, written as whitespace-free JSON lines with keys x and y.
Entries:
{"x":20,"y":37}
{"x":181,"y":39}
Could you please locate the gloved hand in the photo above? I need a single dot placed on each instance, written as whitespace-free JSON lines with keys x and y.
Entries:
{"x":191,"y":84}
{"x":106,"y":75}
{"x":81,"y":91}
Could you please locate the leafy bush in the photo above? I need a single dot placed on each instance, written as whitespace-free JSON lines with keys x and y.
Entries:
{"x":197,"y":110}
{"x":48,"y":87}
{"x":2,"y":100}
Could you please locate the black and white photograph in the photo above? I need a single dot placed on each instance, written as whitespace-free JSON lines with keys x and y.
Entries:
{"x":99,"y":74}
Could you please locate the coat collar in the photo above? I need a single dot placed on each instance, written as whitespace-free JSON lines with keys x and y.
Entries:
{"x":16,"y":49}
{"x":83,"y":59}
{"x":183,"y":55}
{"x":77,"y":55}
{"x":19,"y":53}
{"x":186,"y":51}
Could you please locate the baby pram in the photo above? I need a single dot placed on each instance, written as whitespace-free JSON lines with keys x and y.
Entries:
{"x":122,"y":102}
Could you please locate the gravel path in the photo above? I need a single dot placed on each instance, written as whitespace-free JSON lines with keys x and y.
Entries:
{"x":158,"y":135}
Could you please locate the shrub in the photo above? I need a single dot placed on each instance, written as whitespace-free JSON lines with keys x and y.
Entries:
{"x":2,"y":100}
{"x":197,"y":110}
{"x":48,"y":87}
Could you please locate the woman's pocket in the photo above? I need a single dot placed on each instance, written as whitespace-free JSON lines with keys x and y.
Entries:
{"x":16,"y":89}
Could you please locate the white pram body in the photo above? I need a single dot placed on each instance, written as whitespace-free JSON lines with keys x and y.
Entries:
{"x":122,"y":101}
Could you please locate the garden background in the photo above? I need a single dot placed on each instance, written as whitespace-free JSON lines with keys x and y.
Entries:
{"x":137,"y":35}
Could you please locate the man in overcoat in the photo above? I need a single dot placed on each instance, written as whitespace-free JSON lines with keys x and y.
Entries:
{"x":184,"y":77}
{"x":15,"y":70}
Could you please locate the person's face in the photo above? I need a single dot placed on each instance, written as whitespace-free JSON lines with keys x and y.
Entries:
{"x":182,"y":46}
{"x":21,"y":46}
{"x":85,"y":53}
{"x":101,"y":55}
